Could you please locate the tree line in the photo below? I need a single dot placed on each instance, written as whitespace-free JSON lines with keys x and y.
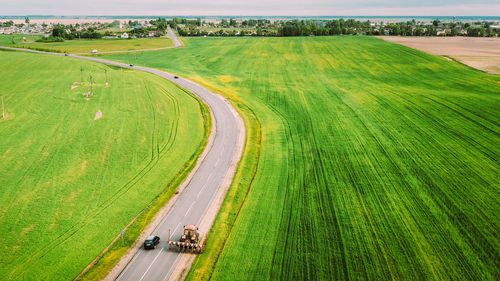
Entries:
{"x":409,"y":28}
{"x":6,"y":23}
{"x":262,"y":27}
{"x":61,"y":31}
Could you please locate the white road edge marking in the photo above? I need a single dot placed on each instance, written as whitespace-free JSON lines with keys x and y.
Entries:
{"x":205,"y":185}
{"x":206,"y":182}
{"x":187,"y":212}
{"x":149,"y":267}
{"x":133,"y":259}
{"x":175,"y":229}
{"x":201,"y":190}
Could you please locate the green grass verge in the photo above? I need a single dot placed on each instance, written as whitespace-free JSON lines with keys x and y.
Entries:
{"x":85,"y":45}
{"x":377,"y":161}
{"x":71,"y":183}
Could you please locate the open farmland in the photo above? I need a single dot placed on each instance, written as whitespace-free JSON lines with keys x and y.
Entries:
{"x":74,"y":171}
{"x":85,"y":45}
{"x":366,"y":160}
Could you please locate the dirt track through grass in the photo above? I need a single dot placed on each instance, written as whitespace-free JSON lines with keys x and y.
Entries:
{"x":377,"y":161}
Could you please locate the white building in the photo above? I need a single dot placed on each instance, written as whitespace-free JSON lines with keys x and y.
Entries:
{"x":124,"y":35}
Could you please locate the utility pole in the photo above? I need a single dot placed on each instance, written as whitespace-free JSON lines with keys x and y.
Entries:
{"x":91,"y":86}
{"x":3,"y":109}
{"x":81,"y":75}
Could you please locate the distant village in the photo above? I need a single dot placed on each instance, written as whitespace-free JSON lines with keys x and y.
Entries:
{"x":92,"y":30}
{"x":8,"y":27}
{"x":125,"y":29}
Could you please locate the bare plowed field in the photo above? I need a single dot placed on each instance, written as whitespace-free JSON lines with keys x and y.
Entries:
{"x":481,"y":53}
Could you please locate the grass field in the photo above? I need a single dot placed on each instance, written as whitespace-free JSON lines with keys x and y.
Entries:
{"x":85,"y":45}
{"x":370,"y":160}
{"x":70,"y":183}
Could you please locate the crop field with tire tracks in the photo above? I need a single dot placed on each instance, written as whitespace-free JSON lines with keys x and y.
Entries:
{"x":374,"y":162}
{"x":70,"y":178}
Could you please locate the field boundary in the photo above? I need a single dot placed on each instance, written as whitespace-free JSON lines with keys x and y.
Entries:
{"x":452,"y":59}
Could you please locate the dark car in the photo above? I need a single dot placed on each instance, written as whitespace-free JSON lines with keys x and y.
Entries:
{"x":65,"y":55}
{"x":151,"y":242}
{"x":131,"y":65}
{"x":176,"y":77}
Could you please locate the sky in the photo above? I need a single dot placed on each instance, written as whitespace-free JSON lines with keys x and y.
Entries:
{"x":253,"y":7}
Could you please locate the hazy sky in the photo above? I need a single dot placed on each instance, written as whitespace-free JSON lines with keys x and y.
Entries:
{"x":253,"y":7}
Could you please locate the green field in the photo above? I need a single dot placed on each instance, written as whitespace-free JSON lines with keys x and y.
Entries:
{"x":366,"y":160}
{"x":85,"y":45}
{"x":70,"y":183}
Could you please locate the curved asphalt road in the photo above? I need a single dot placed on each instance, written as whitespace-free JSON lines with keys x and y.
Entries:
{"x":194,"y":201}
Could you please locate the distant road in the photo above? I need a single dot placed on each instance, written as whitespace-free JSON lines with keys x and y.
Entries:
{"x":193,"y":203}
{"x":171,"y":35}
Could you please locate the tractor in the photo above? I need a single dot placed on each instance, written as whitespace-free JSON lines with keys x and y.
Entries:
{"x":190,"y":240}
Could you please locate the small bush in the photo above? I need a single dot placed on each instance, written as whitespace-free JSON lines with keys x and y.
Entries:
{"x":50,"y":39}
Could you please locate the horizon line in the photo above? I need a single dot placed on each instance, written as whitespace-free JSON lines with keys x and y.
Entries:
{"x":235,"y":15}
